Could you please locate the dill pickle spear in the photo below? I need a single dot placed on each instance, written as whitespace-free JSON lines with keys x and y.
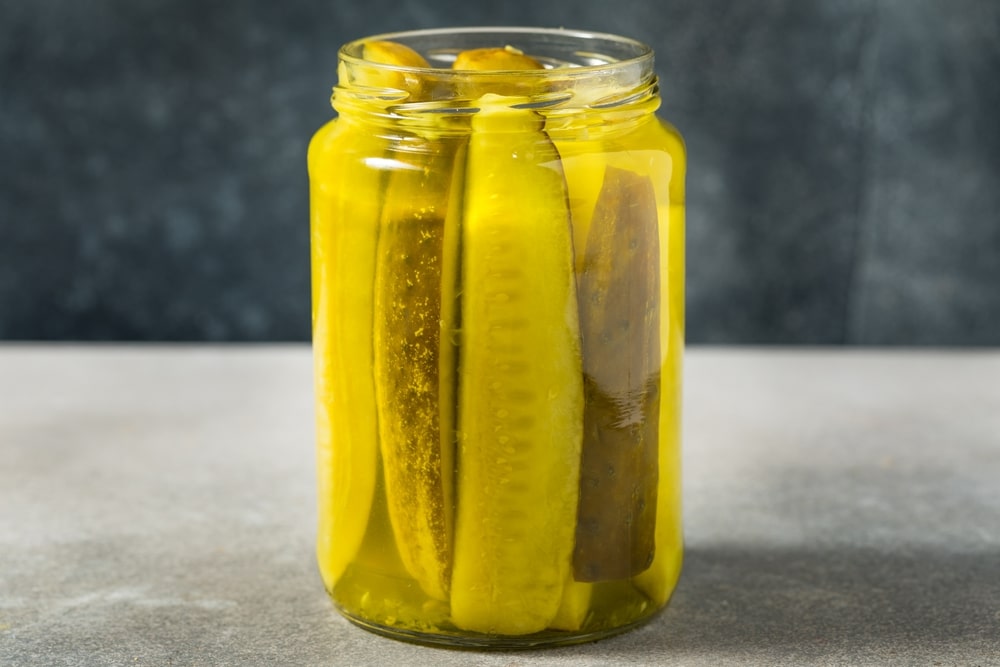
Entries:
{"x":520,"y":406}
{"x":343,"y":230}
{"x":574,"y":607}
{"x":414,"y":293}
{"x":659,"y":580}
{"x":344,"y":242}
{"x":620,"y":329}
{"x":414,"y":286}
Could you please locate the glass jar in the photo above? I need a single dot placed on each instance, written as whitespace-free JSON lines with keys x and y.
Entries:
{"x":498,"y":308}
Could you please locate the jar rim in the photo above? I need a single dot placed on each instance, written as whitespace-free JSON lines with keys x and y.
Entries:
{"x":633,"y":52}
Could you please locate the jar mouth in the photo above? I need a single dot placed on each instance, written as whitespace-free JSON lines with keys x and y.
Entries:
{"x":569,"y":52}
{"x":584,"y":73}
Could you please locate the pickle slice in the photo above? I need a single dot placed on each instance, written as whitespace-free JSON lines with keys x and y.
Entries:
{"x":620,"y":329}
{"x":343,"y":231}
{"x":493,"y":59}
{"x":520,"y":409}
{"x":414,"y":360}
{"x":396,"y":55}
{"x":392,"y":53}
{"x":503,"y":60}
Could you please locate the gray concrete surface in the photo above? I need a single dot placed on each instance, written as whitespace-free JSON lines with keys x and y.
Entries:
{"x":157,"y":508}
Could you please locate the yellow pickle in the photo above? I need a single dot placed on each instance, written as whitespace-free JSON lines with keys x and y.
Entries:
{"x":497,"y":233}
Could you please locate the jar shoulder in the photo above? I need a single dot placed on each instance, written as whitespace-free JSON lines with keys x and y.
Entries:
{"x":660,"y":134}
{"x":322,"y":143}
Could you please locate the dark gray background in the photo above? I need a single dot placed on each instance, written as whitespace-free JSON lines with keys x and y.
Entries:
{"x":844,"y":182}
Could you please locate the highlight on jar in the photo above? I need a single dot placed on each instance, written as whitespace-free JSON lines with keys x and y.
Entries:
{"x":497,"y":230}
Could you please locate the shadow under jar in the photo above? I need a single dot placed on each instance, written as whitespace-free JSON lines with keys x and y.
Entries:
{"x":498,"y":322}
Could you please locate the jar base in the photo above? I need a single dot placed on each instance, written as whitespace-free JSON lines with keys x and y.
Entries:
{"x":487,"y":642}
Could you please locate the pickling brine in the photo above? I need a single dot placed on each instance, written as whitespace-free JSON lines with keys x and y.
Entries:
{"x":498,"y":313}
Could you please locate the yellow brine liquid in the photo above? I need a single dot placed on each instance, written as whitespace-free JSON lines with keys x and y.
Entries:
{"x":498,"y":292}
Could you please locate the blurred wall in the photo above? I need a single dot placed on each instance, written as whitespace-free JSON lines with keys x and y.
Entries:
{"x":844,"y":182}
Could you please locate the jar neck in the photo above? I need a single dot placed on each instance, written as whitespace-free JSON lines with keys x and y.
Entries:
{"x":589,"y":81}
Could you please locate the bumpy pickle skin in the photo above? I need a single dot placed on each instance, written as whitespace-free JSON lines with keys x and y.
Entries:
{"x":520,"y":390}
{"x":620,"y":328}
{"x":343,"y":231}
{"x":576,"y":596}
{"x":414,"y":285}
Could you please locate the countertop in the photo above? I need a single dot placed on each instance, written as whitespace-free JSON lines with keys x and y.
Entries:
{"x":157,"y":507}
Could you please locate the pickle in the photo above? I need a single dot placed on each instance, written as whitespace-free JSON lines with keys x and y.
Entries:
{"x":507,"y":59}
{"x":659,"y":580}
{"x":494,"y":59}
{"x":392,"y":53}
{"x":520,"y":409}
{"x":414,"y":285}
{"x":343,"y":229}
{"x":574,"y":606}
{"x":620,"y":330}
{"x":396,"y":55}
